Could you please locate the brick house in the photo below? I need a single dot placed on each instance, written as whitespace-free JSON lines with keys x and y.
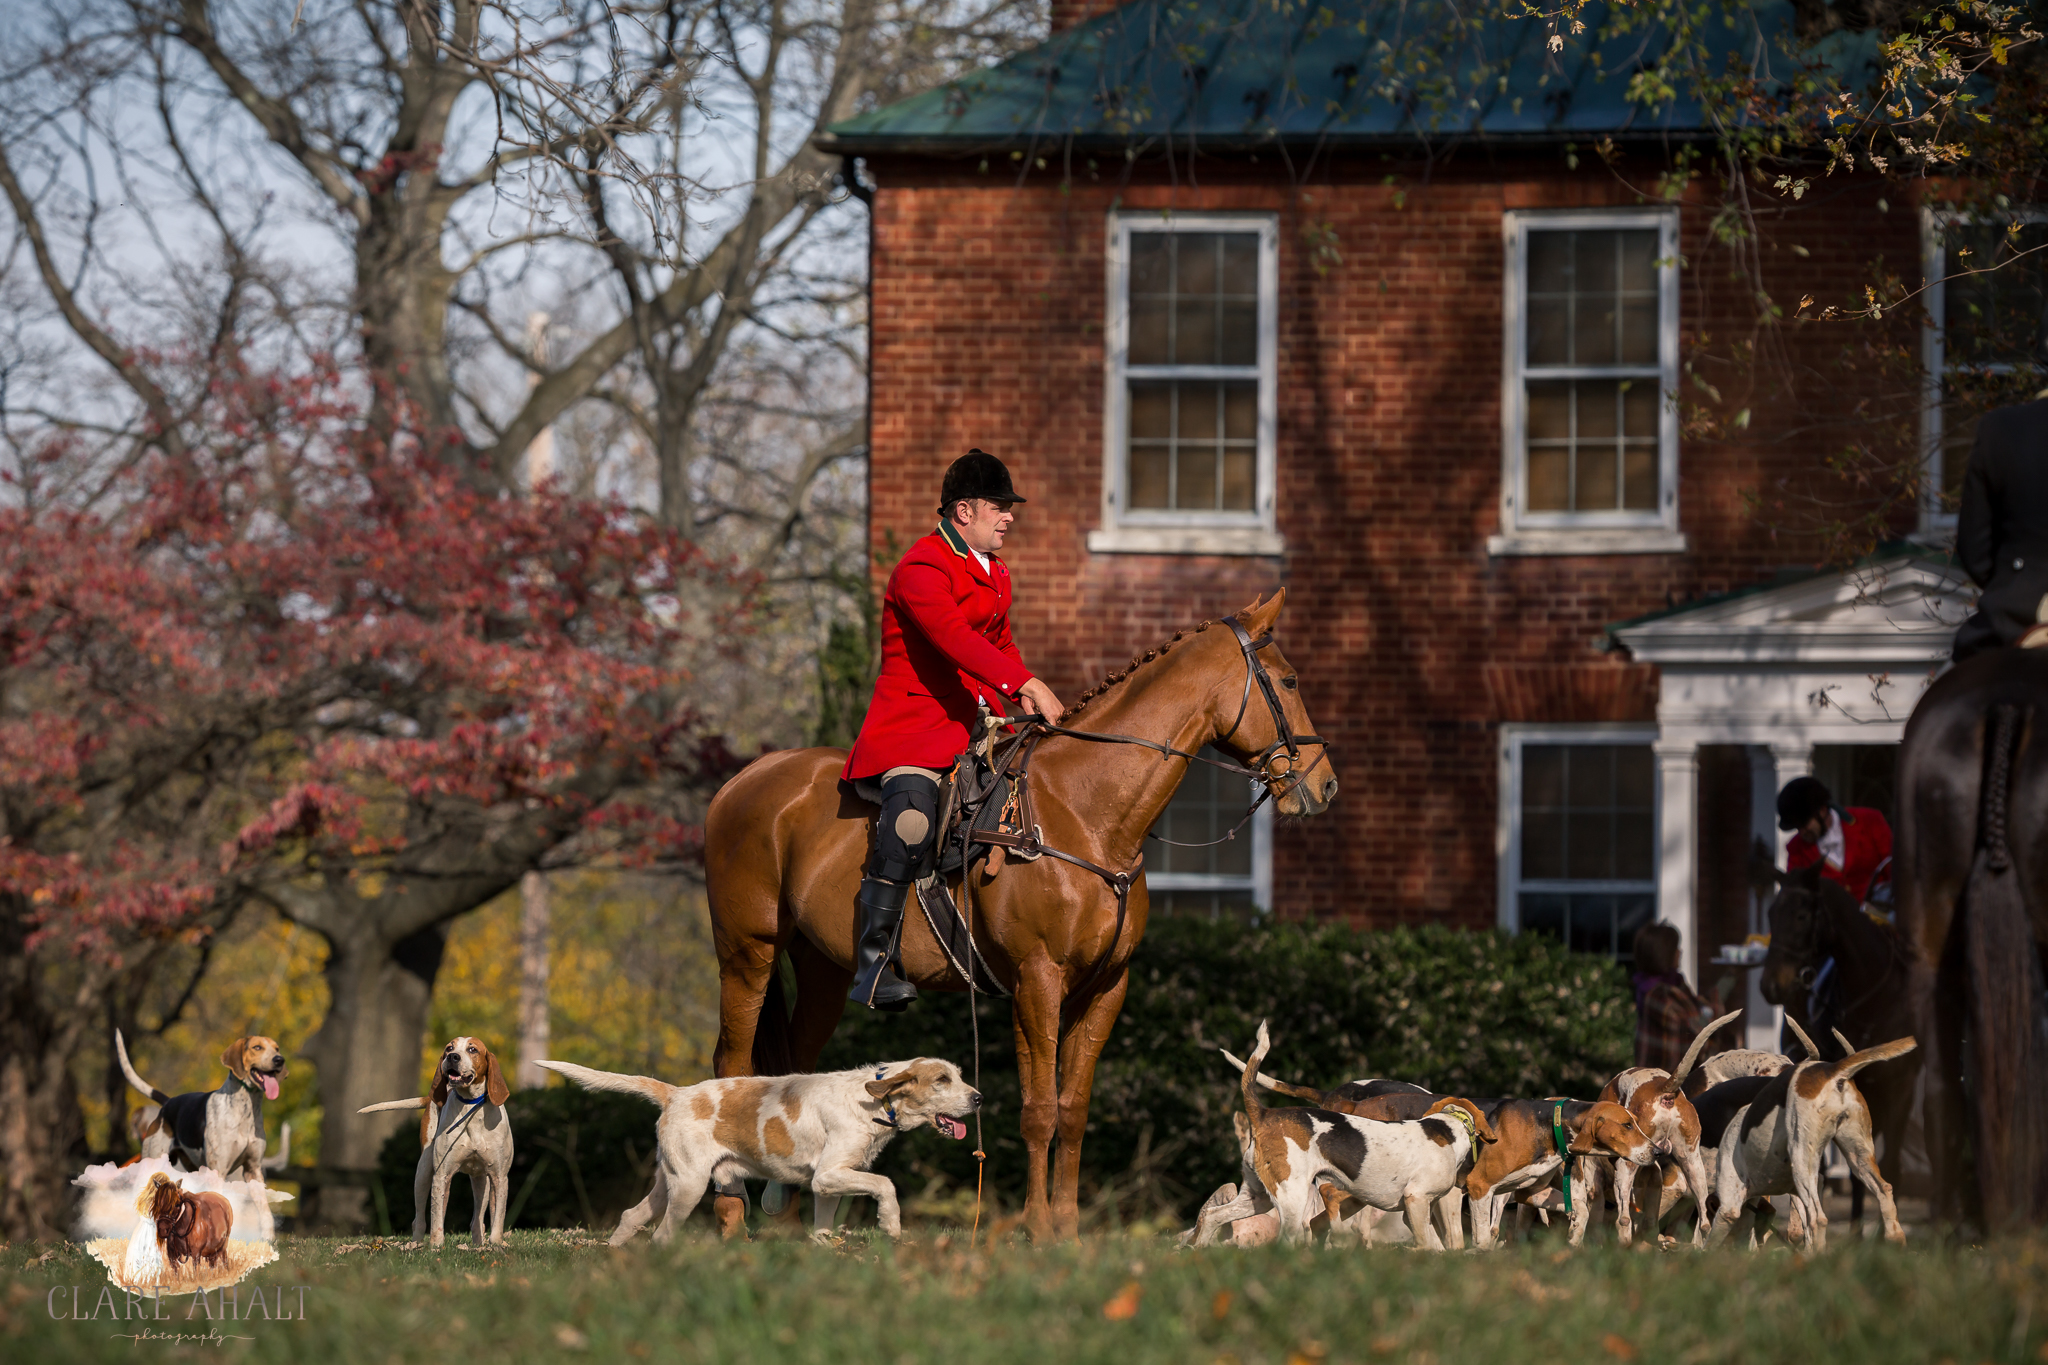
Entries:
{"x":1241,"y":310}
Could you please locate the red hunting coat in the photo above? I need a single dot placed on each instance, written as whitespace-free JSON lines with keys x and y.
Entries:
{"x":946,"y":649}
{"x":1866,"y":848}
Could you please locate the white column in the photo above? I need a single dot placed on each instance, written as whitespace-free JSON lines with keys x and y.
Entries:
{"x":1678,"y":768}
{"x":1764,"y":1021}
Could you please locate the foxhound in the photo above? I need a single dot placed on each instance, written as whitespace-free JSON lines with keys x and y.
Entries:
{"x":219,"y":1130}
{"x":822,"y":1130}
{"x":471,"y":1134}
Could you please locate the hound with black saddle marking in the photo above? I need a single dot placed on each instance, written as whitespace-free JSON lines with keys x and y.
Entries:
{"x":1773,"y":1143}
{"x":220,"y":1130}
{"x":821,"y":1129}
{"x":1305,"y":1159}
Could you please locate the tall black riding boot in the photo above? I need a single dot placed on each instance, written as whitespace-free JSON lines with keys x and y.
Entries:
{"x":881,"y":922}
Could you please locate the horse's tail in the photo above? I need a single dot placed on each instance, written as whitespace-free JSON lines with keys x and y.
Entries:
{"x":773,"y":1055}
{"x":1248,"y":1082}
{"x":2010,"y":1063}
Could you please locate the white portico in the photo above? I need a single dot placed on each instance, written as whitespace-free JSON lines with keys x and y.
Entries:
{"x":1834,"y":658}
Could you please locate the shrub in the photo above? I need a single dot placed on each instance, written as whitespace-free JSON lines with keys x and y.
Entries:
{"x":1480,"y":1014}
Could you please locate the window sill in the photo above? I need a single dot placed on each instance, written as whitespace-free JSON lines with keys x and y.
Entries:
{"x":1592,"y":540}
{"x":1186,"y":540}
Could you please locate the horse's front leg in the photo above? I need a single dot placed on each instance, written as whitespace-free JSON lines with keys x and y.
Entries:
{"x":1035,"y":1020}
{"x":1080,"y":1049}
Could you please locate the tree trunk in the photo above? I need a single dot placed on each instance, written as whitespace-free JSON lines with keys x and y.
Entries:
{"x":535,"y":925}
{"x":367,"y":1049}
{"x":42,"y":1136}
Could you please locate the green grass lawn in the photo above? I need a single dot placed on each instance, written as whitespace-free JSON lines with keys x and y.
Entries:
{"x":553,"y":1295}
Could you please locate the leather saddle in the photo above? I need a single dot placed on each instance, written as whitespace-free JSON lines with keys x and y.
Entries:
{"x":984,"y":815}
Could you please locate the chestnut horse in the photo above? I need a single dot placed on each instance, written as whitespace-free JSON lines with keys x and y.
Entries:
{"x":1971,"y":883}
{"x":785,"y":842}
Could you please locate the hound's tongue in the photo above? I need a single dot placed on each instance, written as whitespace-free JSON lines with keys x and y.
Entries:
{"x":269,"y":1086}
{"x":952,"y":1128}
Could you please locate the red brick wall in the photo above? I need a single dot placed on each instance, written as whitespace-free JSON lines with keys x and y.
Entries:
{"x":1413,"y":645}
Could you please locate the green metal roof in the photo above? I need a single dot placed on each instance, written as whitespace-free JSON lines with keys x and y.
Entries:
{"x":1241,"y":73}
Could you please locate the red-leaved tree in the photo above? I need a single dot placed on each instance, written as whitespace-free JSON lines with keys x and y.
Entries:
{"x":304,"y":667}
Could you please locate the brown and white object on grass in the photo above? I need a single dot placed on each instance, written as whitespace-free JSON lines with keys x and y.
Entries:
{"x":1773,"y":1144}
{"x":1306,"y":1159}
{"x":464,"y":1129}
{"x":221,"y":1130}
{"x":1524,"y":1157}
{"x":1657,"y":1099}
{"x":820,"y":1129}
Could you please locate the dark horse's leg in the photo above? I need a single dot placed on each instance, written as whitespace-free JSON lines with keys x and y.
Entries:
{"x":1080,"y":1049}
{"x":1035,"y":1019}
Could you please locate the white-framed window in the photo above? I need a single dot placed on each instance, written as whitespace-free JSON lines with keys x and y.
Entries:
{"x":1985,"y":337}
{"x":1233,"y":878}
{"x":1577,"y":834}
{"x":1589,"y":435}
{"x":1190,"y":395}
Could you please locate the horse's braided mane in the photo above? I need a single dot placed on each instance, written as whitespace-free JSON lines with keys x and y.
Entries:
{"x":1136,"y":660}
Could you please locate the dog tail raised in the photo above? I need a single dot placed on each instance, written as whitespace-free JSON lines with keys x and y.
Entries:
{"x":1692,"y":1054}
{"x":1248,"y":1081}
{"x":416,"y":1102}
{"x":646,"y":1087}
{"x":128,"y":1070}
{"x":1300,"y":1092}
{"x":1883,"y":1052}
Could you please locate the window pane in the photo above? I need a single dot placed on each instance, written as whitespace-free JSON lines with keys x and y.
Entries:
{"x":1151,"y":297}
{"x":1197,"y":267}
{"x":1195,"y":476}
{"x":1543,"y":776}
{"x":1995,"y":300}
{"x":1240,"y":412}
{"x":1151,"y":476}
{"x":1239,"y":474}
{"x":1594,"y":489}
{"x":1543,"y":846}
{"x":1596,"y":923}
{"x":1238,"y":339}
{"x":1586,"y":817}
{"x":1550,"y":411}
{"x":1592,"y":297}
{"x":1150,"y":319}
{"x":1151,"y":412}
{"x":1241,"y":263}
{"x":1599,"y":410}
{"x":1209,"y":803}
{"x":1194,"y":335}
{"x":1639,"y":478}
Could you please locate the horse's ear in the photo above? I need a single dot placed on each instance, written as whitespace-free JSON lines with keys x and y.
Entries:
{"x":1258,"y":618}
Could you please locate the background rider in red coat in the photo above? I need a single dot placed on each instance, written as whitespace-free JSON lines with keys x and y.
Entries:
{"x":946,"y":653}
{"x":1853,"y":846}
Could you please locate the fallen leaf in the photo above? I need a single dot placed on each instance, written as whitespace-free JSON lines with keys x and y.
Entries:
{"x":1382,"y":1346}
{"x":568,"y":1338}
{"x":1618,"y":1346}
{"x":1123,"y":1306}
{"x":1219,"y":1307}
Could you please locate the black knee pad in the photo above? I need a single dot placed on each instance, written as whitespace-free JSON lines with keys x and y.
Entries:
{"x":907,"y":828}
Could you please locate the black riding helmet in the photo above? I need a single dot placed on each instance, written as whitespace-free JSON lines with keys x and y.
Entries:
{"x":977,"y":474}
{"x":1801,"y":800}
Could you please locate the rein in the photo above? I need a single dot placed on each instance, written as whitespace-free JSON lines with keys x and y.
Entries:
{"x":1826,"y":928}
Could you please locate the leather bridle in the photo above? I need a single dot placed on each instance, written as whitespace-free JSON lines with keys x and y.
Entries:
{"x":1261,"y":766}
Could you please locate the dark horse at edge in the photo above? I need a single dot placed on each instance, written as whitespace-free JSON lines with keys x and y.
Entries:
{"x":1971,"y":881}
{"x":1812,"y":920}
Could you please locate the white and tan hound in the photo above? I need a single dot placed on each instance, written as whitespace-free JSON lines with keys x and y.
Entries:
{"x":470,"y":1133}
{"x":822,"y":1130}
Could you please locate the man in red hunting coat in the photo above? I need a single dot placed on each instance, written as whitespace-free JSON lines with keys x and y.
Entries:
{"x":946,"y":653}
{"x":1853,"y":846}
